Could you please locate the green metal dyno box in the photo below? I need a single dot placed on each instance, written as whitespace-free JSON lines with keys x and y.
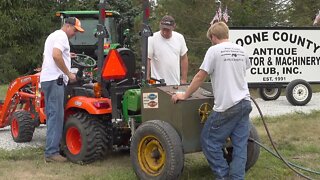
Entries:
{"x":183,"y":116}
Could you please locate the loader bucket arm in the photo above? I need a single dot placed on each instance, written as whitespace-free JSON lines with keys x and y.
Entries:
{"x":14,"y":94}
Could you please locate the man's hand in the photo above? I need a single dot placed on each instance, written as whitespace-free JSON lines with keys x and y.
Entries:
{"x":73,"y":55}
{"x":72,"y":77}
{"x":178,"y":96}
{"x":182,"y":81}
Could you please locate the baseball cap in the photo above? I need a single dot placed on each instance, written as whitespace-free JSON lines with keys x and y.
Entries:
{"x":75,"y":22}
{"x":167,"y":22}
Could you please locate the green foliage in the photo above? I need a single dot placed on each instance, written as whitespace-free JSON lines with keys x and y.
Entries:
{"x":25,"y":24}
{"x":128,"y":13}
{"x":302,"y":13}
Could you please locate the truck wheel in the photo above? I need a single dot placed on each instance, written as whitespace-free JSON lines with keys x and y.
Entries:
{"x":298,"y":92}
{"x":253,"y":149}
{"x":22,"y":126}
{"x":156,"y":151}
{"x":269,"y":94}
{"x":85,"y":138}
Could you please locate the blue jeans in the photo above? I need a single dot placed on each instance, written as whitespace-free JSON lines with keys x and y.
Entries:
{"x":54,"y":109}
{"x":233,"y":123}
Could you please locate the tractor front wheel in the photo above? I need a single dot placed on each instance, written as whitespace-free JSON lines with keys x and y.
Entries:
{"x":85,"y":138}
{"x":22,"y":126}
{"x":156,"y":151}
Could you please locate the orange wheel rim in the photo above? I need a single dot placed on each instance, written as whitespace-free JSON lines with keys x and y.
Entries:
{"x":73,"y":140}
{"x":15,"y":128}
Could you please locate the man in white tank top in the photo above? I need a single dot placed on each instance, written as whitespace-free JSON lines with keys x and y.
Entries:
{"x":57,"y":63}
{"x":226,"y":63}
{"x":167,"y":54}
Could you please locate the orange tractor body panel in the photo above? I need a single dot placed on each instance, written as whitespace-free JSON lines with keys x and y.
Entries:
{"x":91,"y":105}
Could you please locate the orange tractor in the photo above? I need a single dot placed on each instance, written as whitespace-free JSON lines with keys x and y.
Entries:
{"x":91,"y":127}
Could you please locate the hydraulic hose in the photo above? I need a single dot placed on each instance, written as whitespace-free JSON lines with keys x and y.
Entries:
{"x":274,"y":154}
{"x":278,"y":155}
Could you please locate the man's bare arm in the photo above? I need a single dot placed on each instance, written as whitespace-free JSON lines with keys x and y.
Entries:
{"x":57,"y":57}
{"x":184,"y":68}
{"x":196,"y":82}
{"x":148,"y":68}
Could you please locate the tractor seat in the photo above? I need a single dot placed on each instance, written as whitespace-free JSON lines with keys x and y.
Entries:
{"x":88,"y":85}
{"x":128,"y":58}
{"x":81,"y":91}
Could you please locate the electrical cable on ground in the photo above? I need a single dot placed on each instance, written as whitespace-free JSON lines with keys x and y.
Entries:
{"x":274,"y":147}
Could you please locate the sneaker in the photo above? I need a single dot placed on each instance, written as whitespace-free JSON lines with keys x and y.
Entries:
{"x":55,"y":158}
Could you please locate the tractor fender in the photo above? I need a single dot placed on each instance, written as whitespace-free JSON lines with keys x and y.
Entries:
{"x":91,"y":105}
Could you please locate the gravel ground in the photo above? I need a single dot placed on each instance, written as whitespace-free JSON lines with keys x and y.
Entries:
{"x":268,"y":108}
{"x":282,"y":106}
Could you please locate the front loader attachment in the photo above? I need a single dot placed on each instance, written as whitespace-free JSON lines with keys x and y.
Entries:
{"x":22,"y":94}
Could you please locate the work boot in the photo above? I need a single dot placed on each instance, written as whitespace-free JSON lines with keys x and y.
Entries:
{"x":55,"y":158}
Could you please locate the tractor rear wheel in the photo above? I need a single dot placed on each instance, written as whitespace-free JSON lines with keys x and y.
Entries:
{"x":253,"y":149}
{"x":86,"y":138}
{"x":22,"y":126}
{"x":156,"y":151}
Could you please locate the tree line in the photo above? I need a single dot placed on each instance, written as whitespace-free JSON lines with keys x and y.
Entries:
{"x":25,"y":24}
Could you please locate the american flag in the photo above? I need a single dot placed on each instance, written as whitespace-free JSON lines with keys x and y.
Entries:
{"x":219,"y":16}
{"x":225,"y":15}
{"x":317,"y":19}
{"x":215,"y":18}
{"x":219,"y":13}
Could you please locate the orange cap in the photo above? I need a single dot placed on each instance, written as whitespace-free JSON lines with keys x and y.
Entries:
{"x":74,"y":22}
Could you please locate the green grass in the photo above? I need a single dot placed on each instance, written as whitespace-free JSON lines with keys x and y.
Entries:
{"x":295,"y":135}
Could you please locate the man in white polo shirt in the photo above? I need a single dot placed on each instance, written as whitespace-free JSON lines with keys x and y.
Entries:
{"x":54,"y":77}
{"x":167,"y":54}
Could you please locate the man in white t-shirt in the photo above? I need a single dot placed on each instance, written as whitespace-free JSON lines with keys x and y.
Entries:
{"x":226,"y":63}
{"x":167,"y":54}
{"x":54,"y":77}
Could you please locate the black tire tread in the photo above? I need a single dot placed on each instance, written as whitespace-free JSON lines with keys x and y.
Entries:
{"x":170,"y":140}
{"x":97,"y":138}
{"x":253,"y":148}
{"x":289,"y":93}
{"x":26,"y":126}
{"x":269,"y":98}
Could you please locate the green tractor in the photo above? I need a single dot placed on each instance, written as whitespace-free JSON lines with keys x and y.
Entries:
{"x":87,"y":42}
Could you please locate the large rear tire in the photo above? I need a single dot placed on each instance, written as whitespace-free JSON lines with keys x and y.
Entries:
{"x":253,"y":149}
{"x":22,"y":126}
{"x":156,"y":151}
{"x":86,"y":138}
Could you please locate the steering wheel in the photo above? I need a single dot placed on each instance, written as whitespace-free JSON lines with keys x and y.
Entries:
{"x":84,"y":61}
